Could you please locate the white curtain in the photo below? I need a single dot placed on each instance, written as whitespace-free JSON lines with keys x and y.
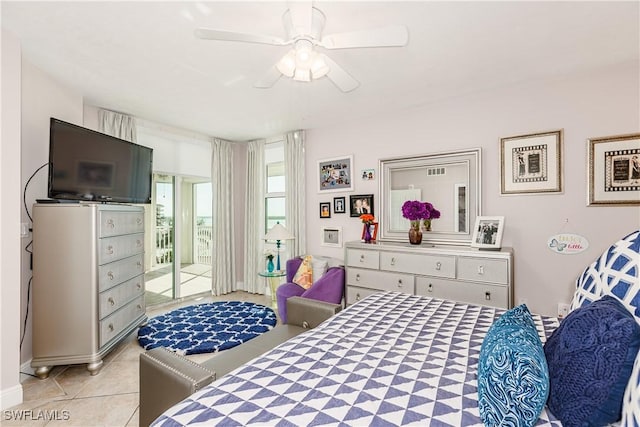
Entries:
{"x":223,"y":278}
{"x":294,"y":172}
{"x":117,"y":124}
{"x":254,"y":217}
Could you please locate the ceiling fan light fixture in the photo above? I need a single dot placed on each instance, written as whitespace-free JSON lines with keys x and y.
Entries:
{"x":287,"y":65}
{"x":304,"y":53}
{"x":302,"y":75}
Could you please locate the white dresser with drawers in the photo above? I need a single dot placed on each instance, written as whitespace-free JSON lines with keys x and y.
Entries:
{"x":88,"y":281}
{"x":447,"y":272}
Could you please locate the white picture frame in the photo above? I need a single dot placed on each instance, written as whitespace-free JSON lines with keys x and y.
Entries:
{"x":331,"y":236}
{"x":487,"y":232}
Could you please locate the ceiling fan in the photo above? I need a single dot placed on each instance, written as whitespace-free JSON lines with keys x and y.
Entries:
{"x":303,"y":25}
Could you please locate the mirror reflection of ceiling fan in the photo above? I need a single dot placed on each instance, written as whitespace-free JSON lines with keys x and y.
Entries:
{"x":303,"y":25}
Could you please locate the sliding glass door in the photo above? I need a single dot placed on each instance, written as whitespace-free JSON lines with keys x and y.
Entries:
{"x":196,"y":243}
{"x":179,"y":253}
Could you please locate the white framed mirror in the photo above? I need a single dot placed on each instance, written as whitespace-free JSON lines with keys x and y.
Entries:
{"x":450,"y":181}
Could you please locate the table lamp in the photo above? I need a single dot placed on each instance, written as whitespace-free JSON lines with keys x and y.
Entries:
{"x":278,"y":233}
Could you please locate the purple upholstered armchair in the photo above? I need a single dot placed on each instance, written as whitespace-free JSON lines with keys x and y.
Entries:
{"x":328,"y":288}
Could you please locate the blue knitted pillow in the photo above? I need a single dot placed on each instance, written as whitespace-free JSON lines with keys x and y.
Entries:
{"x":590,"y":358}
{"x":513,"y":380}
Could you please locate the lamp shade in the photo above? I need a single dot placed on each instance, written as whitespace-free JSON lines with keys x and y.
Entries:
{"x":278,"y":232}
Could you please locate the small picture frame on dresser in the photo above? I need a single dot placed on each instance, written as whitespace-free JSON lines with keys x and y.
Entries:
{"x":487,"y":233}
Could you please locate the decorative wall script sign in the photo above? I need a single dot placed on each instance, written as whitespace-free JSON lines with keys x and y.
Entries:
{"x":567,"y":244}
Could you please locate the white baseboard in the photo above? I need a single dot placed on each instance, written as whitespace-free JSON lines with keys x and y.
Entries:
{"x":11,"y":396}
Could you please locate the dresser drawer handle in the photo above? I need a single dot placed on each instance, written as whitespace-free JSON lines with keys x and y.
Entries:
{"x":487,"y":296}
{"x":357,"y":297}
{"x":399,"y":283}
{"x":438,"y":265}
{"x":139,"y":285}
{"x":139,"y":306}
{"x":430,"y":287}
{"x":138,"y":243}
{"x":139,"y":264}
{"x":481,"y":270}
{"x":110,"y":275}
{"x":109,"y":250}
{"x":393,"y":261}
{"x":111,"y":328}
{"x":361,"y":258}
{"x":111,"y":224}
{"x":138,"y":220}
{"x":357,"y":277}
{"x":111,"y":302}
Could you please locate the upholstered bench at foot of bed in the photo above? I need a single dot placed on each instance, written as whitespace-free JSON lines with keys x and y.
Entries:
{"x":167,"y":378}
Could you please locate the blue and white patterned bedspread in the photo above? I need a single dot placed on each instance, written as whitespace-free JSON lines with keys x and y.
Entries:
{"x":390,"y":359}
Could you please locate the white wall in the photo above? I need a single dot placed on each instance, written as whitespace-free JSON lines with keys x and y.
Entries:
{"x":10,"y":245}
{"x":598,"y":103}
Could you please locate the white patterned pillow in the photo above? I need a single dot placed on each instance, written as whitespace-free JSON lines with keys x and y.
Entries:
{"x":616,"y":273}
{"x":631,"y":400}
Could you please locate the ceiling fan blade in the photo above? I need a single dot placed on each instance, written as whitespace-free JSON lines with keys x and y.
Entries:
{"x":301,"y":17}
{"x":210,"y":34}
{"x":270,"y":78}
{"x":393,"y":36}
{"x":339,"y":76}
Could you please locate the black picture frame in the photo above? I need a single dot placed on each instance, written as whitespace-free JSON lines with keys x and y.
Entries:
{"x":325,"y":210}
{"x":360,"y":204}
{"x":339,"y":205}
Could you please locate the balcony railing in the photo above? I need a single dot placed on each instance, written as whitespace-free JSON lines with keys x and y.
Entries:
{"x":164,"y":245}
{"x":204,"y":243}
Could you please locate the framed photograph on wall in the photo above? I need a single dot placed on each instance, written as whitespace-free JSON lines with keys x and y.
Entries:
{"x":614,"y":170}
{"x":325,"y":210}
{"x":339,"y":205}
{"x":360,"y":204}
{"x":487,"y":233}
{"x":368,"y":174}
{"x":331,"y":236}
{"x":531,"y":163}
{"x":335,"y":174}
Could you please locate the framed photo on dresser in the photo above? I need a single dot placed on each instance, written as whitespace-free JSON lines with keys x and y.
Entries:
{"x":487,"y":233}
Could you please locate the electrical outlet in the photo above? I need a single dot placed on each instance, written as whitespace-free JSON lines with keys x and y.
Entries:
{"x":563,"y":310}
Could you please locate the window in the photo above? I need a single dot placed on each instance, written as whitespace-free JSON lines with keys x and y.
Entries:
{"x":275,"y":185}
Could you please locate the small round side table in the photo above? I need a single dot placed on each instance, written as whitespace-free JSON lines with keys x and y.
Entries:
{"x":273,"y":280}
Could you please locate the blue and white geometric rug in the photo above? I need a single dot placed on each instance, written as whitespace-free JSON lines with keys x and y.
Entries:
{"x":206,"y":328}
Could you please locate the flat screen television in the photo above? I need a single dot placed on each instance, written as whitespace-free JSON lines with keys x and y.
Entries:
{"x":92,"y":166}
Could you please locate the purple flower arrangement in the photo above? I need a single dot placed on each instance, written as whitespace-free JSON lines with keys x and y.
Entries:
{"x":432,"y":212}
{"x":415,"y":211}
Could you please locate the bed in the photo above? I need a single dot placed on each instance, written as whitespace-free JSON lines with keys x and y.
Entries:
{"x":390,"y":359}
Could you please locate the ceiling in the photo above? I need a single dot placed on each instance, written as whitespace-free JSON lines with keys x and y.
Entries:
{"x":142,"y":58}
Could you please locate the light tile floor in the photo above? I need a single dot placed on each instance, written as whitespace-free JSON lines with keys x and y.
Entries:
{"x":71,"y":397}
{"x":194,"y":279}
